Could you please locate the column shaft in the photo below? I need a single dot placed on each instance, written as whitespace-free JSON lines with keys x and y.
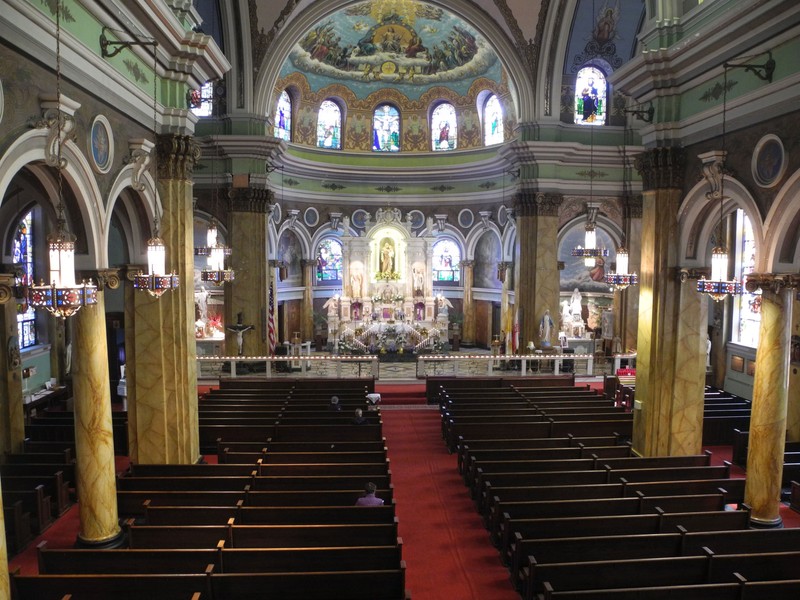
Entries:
{"x":467,"y":272}
{"x":247,"y":293}
{"x":12,"y":415}
{"x":770,"y":397}
{"x":307,"y":315}
{"x":94,"y":438}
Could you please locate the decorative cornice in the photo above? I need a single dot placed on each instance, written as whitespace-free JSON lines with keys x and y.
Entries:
{"x":250,"y":200}
{"x":661,"y":168}
{"x":538,"y":204}
{"x":774,"y":282}
{"x":177,"y":156}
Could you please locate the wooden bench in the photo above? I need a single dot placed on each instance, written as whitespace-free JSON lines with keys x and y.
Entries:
{"x":35,"y":502}
{"x":18,"y":526}
{"x":755,"y":590}
{"x":53,"y":485}
{"x":267,"y":515}
{"x":468,"y":455}
{"x":260,"y":536}
{"x":102,"y":586}
{"x":225,"y":560}
{"x":63,"y":457}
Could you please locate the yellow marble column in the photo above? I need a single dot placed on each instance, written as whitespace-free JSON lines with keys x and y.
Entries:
{"x":247,"y":293}
{"x":12,"y":415}
{"x":160,"y":345}
{"x":94,"y":438}
{"x":770,"y":395}
{"x":793,"y":414}
{"x":626,"y":302}
{"x":536,"y":278}
{"x":307,"y":315}
{"x":468,"y":333}
{"x":670,"y":365}
{"x":5,"y":584}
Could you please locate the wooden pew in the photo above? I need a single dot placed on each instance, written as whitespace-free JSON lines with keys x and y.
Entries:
{"x":264,"y":515}
{"x":53,"y":485}
{"x":469,"y":456}
{"x":225,"y":560}
{"x":260,"y":536}
{"x":18,"y":526}
{"x":755,"y":590}
{"x":35,"y":502}
{"x":62,"y":457}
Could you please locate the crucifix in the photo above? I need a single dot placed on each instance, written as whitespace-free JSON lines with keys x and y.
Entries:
{"x":239,"y":328}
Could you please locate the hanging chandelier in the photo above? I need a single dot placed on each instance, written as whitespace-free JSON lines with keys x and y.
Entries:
{"x":215,"y":272}
{"x":719,"y":286}
{"x":621,"y":279}
{"x":62,"y":297}
{"x":156,"y":281}
{"x":589,"y":251}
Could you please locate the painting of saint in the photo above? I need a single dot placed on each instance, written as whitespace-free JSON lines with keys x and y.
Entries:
{"x":387,"y":257}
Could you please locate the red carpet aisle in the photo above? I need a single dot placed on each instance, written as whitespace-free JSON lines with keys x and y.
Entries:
{"x":445,"y":545}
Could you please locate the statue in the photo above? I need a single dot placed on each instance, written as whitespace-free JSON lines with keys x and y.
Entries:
{"x":387,"y":258}
{"x":239,"y":328}
{"x":201,"y":297}
{"x":419,"y":280}
{"x":575,"y":305}
{"x":356,"y":283}
{"x":545,"y":328}
{"x":566,"y":316}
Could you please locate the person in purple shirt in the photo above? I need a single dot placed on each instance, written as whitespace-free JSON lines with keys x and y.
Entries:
{"x":369,"y":498}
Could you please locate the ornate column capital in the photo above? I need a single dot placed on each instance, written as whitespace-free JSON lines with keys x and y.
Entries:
{"x":250,"y":200}
{"x":533,"y":204}
{"x":7,"y":287}
{"x":177,"y":155}
{"x":129,"y":272}
{"x":661,"y":168}
{"x":502,"y":269}
{"x":774,"y":282}
{"x":632,"y":207}
{"x":308,"y":263}
{"x":106,"y":279}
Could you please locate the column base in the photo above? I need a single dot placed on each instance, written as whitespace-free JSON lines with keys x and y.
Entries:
{"x":118,"y":541}
{"x":776,"y":523}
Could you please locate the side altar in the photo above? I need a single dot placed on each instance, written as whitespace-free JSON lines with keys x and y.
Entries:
{"x":388,"y":286}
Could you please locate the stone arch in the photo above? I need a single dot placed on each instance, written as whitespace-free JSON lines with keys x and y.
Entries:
{"x":782,"y":248}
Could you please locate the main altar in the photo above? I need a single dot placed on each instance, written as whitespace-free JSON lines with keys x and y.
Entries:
{"x":387,"y":302}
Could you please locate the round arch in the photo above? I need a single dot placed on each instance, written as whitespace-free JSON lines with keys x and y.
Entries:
{"x":782,"y":248}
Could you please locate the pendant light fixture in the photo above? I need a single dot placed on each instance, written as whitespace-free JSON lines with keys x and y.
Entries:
{"x":621,"y":278}
{"x":62,"y":297}
{"x":589,"y":251}
{"x":215,"y":251}
{"x":156,"y":281}
{"x":719,"y":286}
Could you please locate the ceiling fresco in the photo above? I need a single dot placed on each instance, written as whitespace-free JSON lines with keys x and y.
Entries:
{"x":405,"y":44}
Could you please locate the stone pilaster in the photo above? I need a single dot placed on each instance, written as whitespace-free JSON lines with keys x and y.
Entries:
{"x":307,"y":314}
{"x":670,"y":364}
{"x":94,"y":437}
{"x":467,"y":272}
{"x":12,"y":415}
{"x":248,"y":211}
{"x":767,"y":438}
{"x":160,"y":344}
{"x":537,"y":277}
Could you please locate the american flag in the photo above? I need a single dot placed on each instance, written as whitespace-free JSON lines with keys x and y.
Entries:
{"x":271,"y":321}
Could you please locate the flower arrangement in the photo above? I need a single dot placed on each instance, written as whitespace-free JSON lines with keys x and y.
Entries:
{"x":381,"y":276}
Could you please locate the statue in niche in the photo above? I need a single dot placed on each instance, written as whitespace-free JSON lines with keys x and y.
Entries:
{"x":387,"y":257}
{"x":419,"y":280}
{"x":357,"y":283}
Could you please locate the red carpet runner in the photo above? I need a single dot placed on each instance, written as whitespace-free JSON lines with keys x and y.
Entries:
{"x":445,"y":545}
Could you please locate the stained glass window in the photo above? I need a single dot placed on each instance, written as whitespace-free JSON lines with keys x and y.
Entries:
{"x":747,"y":306}
{"x":493,"y":121}
{"x":329,"y":260}
{"x":446,"y":261}
{"x":444,"y":128}
{"x":201,"y":102}
{"x":22,"y":256}
{"x":283,"y":117}
{"x":386,"y":129}
{"x":329,"y":126}
{"x":590,"y":97}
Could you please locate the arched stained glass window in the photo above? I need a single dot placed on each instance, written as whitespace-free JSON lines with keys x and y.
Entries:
{"x":444,"y":128}
{"x":22,"y":256}
{"x":329,"y":260}
{"x":446,"y":261}
{"x":201,"y":102}
{"x":493,"y":121}
{"x":386,"y":129}
{"x":283,"y":117}
{"x":590,"y":97}
{"x":329,"y":126}
{"x":747,"y":306}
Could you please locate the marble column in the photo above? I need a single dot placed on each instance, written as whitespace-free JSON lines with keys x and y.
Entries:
{"x":670,"y":365}
{"x":94,"y":438}
{"x":5,"y":583}
{"x":307,"y":310}
{"x":506,"y":309}
{"x":467,"y":272}
{"x":248,"y":211}
{"x":12,"y":415}
{"x":627,"y":305}
{"x":770,"y":398}
{"x":536,"y":278}
{"x":793,"y":414}
{"x":159,"y":332}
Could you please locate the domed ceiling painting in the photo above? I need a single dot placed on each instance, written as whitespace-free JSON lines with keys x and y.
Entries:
{"x":405,"y":44}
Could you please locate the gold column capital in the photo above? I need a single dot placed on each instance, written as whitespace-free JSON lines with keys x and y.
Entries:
{"x":661,"y":168}
{"x":177,"y":156}
{"x":105,"y":278}
{"x":532,"y":204}
{"x":7,"y":287}
{"x":774,"y":282}
{"x":250,"y":200}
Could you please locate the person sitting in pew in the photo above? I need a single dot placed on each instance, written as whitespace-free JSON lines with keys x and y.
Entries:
{"x":359,"y":418}
{"x":334,"y":405}
{"x":369,"y":498}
